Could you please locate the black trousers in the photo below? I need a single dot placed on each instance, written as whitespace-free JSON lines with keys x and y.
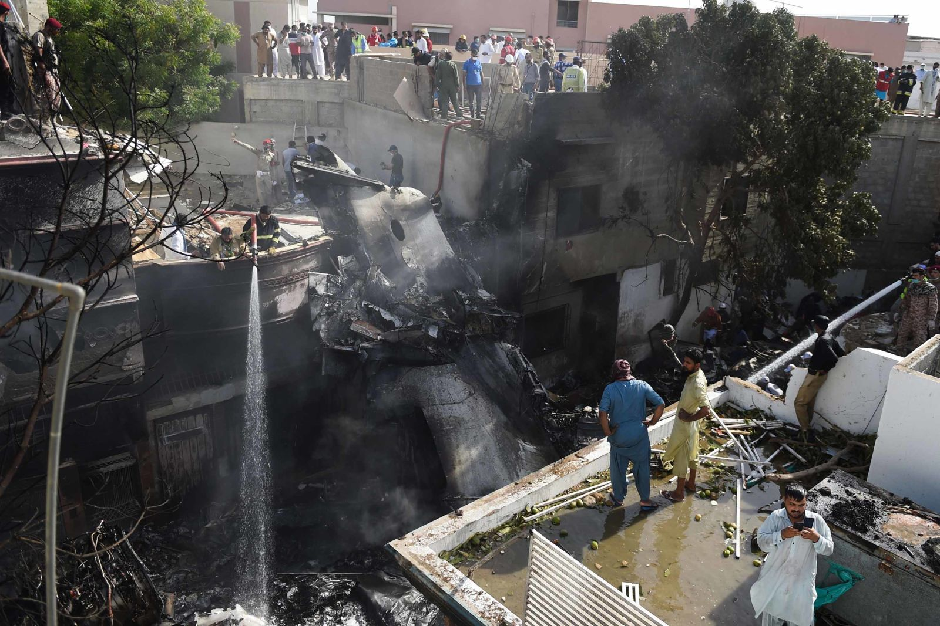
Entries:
{"x":900,"y":102}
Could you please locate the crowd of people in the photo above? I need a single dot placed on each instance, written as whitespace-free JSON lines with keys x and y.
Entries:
{"x":897,"y":85}
{"x":309,"y":50}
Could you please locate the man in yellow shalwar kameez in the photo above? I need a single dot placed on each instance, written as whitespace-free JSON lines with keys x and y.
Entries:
{"x":683,"y":447}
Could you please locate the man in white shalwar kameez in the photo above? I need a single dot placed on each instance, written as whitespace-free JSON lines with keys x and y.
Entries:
{"x":792,"y":536}
{"x":318,"y":59}
{"x":928,"y":90}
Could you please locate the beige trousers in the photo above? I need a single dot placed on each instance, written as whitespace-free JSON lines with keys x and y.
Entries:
{"x":805,"y":401}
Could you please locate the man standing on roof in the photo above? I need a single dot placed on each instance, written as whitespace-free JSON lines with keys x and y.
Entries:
{"x":507,"y":50}
{"x":227,"y":246}
{"x":785,"y":590}
{"x":683,"y":445}
{"x":623,"y":419}
{"x":269,"y":230}
{"x":265,"y":41}
{"x":328,"y":41}
{"x":47,"y":65}
{"x":267,"y":161}
{"x":575,"y":78}
{"x":448,"y":83}
{"x":289,"y":155}
{"x":507,"y":76}
{"x":918,"y":310}
{"x":488,"y":49}
{"x":473,"y":79}
{"x":825,"y":355}
{"x":558,"y":71}
{"x":397,"y":176}
{"x":373,"y":38}
{"x":461,"y":45}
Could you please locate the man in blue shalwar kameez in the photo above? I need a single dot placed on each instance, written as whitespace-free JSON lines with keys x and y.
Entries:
{"x":623,"y":418}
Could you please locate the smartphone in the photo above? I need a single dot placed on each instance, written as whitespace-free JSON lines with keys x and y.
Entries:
{"x":806,"y":523}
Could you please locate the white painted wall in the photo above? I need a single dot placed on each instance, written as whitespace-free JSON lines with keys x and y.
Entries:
{"x":852,"y":399}
{"x":906,"y":459}
{"x":641,"y":306}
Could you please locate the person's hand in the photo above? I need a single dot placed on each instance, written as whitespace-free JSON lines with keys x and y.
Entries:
{"x":809,"y":534}
{"x":650,"y":422}
{"x":789,"y":532}
{"x":220,"y":265}
{"x":271,"y":250}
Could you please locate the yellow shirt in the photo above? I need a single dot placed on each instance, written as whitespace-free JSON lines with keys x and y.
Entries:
{"x":683,"y":441}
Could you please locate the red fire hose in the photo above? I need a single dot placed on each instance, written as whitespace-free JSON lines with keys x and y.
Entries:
{"x":309,"y":221}
{"x":440,"y":176}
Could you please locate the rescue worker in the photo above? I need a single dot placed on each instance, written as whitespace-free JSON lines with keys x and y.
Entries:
{"x":265,"y":41}
{"x":785,"y":590}
{"x":906,"y":82}
{"x":662,"y":340}
{"x":448,"y":83}
{"x":227,"y":246}
{"x":269,"y":231}
{"x":47,"y":66}
{"x":461,"y":45}
{"x":344,"y":47}
{"x":266,"y":171}
{"x":918,"y":310}
{"x":373,"y":39}
{"x":883,"y":82}
{"x":623,"y":420}
{"x":507,"y":76}
{"x":507,"y":50}
{"x":397,"y":177}
{"x":574,"y":79}
{"x":711,"y":325}
{"x":825,"y":355}
{"x":359,"y":43}
{"x":328,"y":41}
{"x":683,"y":446}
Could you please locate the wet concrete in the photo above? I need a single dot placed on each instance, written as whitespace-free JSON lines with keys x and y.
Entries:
{"x":702,"y":586}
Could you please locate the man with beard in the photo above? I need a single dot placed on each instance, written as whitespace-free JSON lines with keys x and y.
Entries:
{"x":683,"y":445}
{"x":623,"y":419}
{"x":792,"y":537}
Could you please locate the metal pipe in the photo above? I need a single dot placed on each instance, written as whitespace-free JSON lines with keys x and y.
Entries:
{"x":440,"y":174}
{"x":737,"y":519}
{"x":309,"y":221}
{"x":573,"y":494}
{"x":598,"y":487}
{"x":76,"y":298}
{"x":214,"y":224}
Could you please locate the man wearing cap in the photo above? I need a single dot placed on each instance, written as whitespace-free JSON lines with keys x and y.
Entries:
{"x":227,"y":246}
{"x":918,"y":310}
{"x":265,"y":41}
{"x":266,"y":171}
{"x":420,"y":42}
{"x":328,"y":44}
{"x":507,"y":50}
{"x":507,"y":76}
{"x":558,"y":71}
{"x":269,"y":230}
{"x":448,"y":82}
{"x":47,"y":65}
{"x":575,"y":78}
{"x":397,"y":176}
{"x":373,"y":38}
{"x":825,"y":355}
{"x":473,"y":79}
{"x":623,"y":419}
{"x":461,"y":45}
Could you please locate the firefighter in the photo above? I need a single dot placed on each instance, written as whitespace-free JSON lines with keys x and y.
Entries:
{"x":269,"y":231}
{"x":227,"y":246}
{"x":574,"y":79}
{"x":266,"y":173}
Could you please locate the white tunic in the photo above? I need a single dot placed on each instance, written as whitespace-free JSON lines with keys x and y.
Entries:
{"x":786,"y":587}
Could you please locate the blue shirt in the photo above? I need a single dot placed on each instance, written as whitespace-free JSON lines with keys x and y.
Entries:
{"x":474,"y":70}
{"x":624,"y":401}
{"x":289,"y":155}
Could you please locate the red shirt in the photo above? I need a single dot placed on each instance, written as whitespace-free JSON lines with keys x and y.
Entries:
{"x":884,"y":81}
{"x":709,"y":318}
{"x":294,"y":48}
{"x":507,"y":49}
{"x":372,"y":40}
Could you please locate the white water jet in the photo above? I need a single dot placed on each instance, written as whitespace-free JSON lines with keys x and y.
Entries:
{"x":254,"y":539}
{"x":804,"y":345}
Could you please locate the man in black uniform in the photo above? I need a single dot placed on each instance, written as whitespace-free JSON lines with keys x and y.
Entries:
{"x":269,"y":231}
{"x":826,"y":353}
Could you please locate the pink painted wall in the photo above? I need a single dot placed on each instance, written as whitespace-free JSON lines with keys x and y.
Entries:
{"x":596,"y":20}
{"x":884,"y":41}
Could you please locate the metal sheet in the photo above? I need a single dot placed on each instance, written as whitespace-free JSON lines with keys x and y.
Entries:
{"x":560,"y":592}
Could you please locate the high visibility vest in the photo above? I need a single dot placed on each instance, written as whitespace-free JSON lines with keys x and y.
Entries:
{"x":574,"y":80}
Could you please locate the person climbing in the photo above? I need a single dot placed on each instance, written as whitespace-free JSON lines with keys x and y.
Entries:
{"x":826,"y":353}
{"x":266,"y":170}
{"x":683,"y":445}
{"x":623,"y":419}
{"x":791,"y":536}
{"x":918,"y":310}
{"x":227,"y":246}
{"x":268,"y":228}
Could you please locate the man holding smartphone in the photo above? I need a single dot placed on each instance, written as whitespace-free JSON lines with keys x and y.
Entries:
{"x":792,"y":537}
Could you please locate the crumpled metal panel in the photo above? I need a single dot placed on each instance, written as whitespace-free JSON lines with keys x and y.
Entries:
{"x":562,"y":592}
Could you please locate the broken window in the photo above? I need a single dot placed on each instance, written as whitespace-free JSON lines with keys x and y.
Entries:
{"x":736,"y":205}
{"x":579,"y":210}
{"x":668,"y":277}
{"x":567,"y":14}
{"x":545,"y":331}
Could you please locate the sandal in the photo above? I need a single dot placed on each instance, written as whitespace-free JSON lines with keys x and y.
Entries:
{"x":646,"y":508}
{"x":612,"y":502}
{"x":668,"y":496}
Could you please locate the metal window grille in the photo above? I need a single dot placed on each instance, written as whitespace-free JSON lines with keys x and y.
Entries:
{"x":560,"y":591}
